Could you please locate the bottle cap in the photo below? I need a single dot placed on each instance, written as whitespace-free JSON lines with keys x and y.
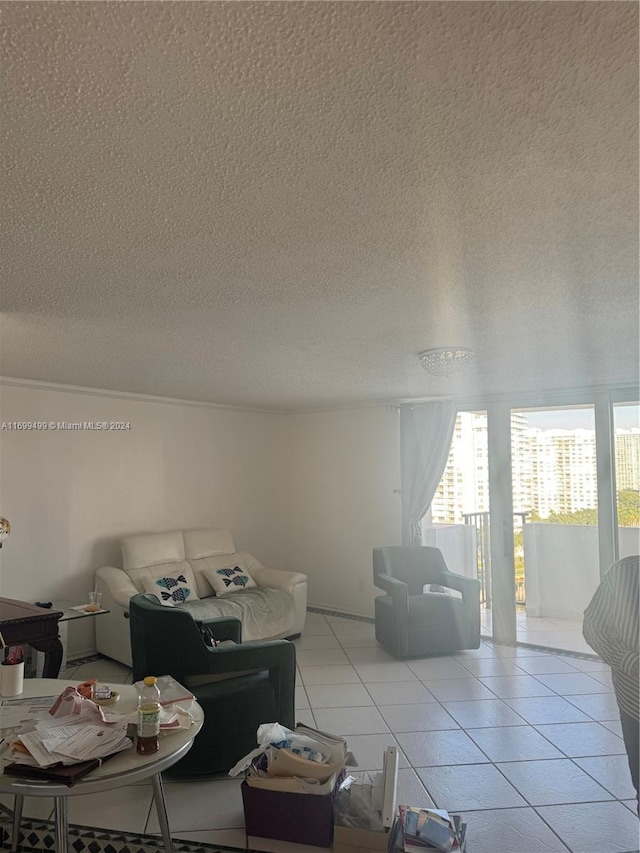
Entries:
{"x":150,"y":680}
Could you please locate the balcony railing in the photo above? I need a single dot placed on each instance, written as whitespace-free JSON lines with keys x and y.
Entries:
{"x":480,"y":520}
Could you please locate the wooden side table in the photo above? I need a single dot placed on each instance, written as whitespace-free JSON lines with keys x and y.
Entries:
{"x":22,"y":623}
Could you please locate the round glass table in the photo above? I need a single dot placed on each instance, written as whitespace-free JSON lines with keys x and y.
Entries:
{"x":125,"y":768}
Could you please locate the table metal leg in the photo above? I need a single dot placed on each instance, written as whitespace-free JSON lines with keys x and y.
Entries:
{"x":161,"y":809}
{"x":18,"y":802}
{"x":62,"y":825}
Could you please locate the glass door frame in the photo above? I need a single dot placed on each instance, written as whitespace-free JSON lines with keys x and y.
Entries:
{"x":498,"y":411}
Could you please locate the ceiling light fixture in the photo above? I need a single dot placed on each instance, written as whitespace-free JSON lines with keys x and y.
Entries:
{"x":446,"y":361}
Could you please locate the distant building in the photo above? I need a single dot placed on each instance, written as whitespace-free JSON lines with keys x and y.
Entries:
{"x":554,"y":470}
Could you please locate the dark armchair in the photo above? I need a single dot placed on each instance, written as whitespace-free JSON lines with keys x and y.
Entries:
{"x":411,"y":621}
{"x":244,"y":685}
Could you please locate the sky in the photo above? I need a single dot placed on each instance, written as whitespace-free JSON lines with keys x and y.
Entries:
{"x":625,"y":417}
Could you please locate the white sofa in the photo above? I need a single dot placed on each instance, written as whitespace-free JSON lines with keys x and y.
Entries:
{"x":275,"y":608}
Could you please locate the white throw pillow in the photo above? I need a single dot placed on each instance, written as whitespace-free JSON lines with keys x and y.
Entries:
{"x":229,"y":579}
{"x":170,"y":590}
{"x":140,"y":576}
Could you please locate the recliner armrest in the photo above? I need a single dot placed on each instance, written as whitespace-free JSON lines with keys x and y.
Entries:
{"x":118,"y":583}
{"x":273,"y":578}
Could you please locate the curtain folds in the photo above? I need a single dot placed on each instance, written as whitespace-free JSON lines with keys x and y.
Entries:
{"x":425,"y":434}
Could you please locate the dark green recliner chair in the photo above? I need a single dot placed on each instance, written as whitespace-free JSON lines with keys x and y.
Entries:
{"x":412,"y":622}
{"x":256,"y":685}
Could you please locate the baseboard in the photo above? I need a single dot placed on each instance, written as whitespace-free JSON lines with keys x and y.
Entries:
{"x":326,"y":610}
{"x":81,"y":655}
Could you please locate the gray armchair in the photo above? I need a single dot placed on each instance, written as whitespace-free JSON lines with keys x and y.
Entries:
{"x":411,"y":621}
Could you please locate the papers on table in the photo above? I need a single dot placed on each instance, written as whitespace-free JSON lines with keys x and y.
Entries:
{"x":73,"y":742}
{"x":69,"y":729}
{"x":18,"y":711}
{"x":41,"y":738}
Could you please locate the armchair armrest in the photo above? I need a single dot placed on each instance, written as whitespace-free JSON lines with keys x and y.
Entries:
{"x":118,"y":583}
{"x":399,"y":594}
{"x":276,"y":657}
{"x":224,"y":628}
{"x":470,"y":589}
{"x":461,"y":583}
{"x":274,"y":578}
{"x":239,"y":658}
{"x":398,"y":590}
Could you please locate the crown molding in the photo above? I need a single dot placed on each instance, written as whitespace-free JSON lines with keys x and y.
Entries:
{"x":38,"y":385}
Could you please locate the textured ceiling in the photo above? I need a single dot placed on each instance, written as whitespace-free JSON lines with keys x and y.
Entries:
{"x":281,"y":204}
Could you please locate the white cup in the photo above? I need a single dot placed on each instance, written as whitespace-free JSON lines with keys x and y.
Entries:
{"x":11,"y":678}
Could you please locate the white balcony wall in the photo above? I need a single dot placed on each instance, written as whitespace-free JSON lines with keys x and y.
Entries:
{"x":561,"y":567}
{"x":458,"y":545}
{"x":628,"y":541}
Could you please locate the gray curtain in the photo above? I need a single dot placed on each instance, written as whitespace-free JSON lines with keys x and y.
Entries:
{"x":425,"y":435}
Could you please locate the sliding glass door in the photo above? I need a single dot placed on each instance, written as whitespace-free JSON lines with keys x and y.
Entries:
{"x":555,"y":508}
{"x":458,"y":520}
{"x":537,"y":502}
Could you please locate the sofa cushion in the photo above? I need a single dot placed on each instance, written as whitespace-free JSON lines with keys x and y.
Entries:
{"x":170,"y":590}
{"x":163,"y":570}
{"x":229,"y":579}
{"x":215,"y":561}
{"x":264,"y":612}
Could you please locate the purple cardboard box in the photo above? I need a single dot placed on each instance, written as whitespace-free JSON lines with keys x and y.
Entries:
{"x":287,"y":816}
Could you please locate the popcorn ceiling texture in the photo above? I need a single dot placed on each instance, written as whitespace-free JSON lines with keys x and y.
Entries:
{"x":281,"y":204}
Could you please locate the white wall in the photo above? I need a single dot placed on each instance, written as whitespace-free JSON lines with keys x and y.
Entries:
{"x":342,"y":468}
{"x":70,"y":496}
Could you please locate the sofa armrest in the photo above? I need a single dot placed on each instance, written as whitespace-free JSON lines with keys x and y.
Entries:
{"x":120,"y":587}
{"x":273,"y":578}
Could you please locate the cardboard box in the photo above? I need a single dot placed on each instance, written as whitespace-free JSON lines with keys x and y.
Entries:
{"x":290,"y":816}
{"x":347,"y":839}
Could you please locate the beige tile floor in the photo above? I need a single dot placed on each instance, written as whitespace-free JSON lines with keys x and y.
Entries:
{"x":524,"y":743}
{"x":562,"y":634}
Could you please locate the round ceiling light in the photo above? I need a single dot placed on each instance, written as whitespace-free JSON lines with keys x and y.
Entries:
{"x":446,"y":361}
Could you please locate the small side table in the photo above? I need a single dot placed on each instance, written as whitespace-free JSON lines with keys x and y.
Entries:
{"x":70,"y":610}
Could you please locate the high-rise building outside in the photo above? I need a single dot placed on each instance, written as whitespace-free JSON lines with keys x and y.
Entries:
{"x":553,"y":470}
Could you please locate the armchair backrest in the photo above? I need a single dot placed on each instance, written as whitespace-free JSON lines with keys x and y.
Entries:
{"x":162,"y":638}
{"x":414,"y":565}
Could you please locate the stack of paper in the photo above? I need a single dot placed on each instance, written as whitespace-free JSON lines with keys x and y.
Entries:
{"x":70,"y":730}
{"x":68,"y":741}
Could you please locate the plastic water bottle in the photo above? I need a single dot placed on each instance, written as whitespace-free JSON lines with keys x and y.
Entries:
{"x":148,"y":730}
